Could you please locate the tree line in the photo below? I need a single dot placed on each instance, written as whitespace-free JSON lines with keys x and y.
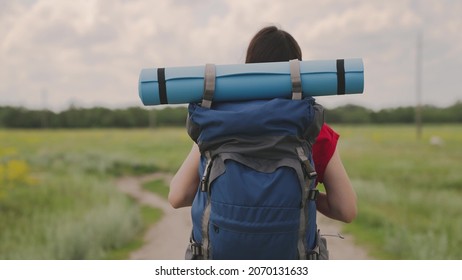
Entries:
{"x":137,"y":117}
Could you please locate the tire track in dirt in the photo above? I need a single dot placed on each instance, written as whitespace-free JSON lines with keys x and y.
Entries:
{"x":168,"y":238}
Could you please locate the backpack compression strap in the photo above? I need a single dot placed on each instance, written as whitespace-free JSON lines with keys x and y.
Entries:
{"x":209,"y":85}
{"x":295,"y":79}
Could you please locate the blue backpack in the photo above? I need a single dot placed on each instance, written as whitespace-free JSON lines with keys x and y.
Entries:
{"x":256,"y":198}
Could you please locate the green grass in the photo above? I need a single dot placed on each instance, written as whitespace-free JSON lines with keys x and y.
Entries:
{"x":66,"y":217}
{"x":150,"y":216}
{"x":157,"y":186}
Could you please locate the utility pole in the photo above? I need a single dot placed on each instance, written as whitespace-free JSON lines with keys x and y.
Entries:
{"x":418,"y":86}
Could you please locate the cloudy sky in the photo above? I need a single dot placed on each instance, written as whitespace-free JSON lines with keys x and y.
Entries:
{"x":54,"y":53}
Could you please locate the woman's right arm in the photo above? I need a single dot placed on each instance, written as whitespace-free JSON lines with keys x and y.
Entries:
{"x":183,"y":186}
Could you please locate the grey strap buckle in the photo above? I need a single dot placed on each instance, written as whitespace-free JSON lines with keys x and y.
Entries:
{"x":313,"y":255}
{"x":196,"y":249}
{"x":310,"y":173}
{"x":204,"y":182}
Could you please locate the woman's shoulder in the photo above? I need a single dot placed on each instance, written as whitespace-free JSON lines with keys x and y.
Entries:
{"x":324,"y":148}
{"x":327,"y":134}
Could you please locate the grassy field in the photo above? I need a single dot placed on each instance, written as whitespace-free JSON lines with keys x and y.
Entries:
{"x":57,"y":194}
{"x":58,"y":199}
{"x":409,"y":191}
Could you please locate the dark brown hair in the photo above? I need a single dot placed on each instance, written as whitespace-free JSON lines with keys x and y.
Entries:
{"x":272,"y":44}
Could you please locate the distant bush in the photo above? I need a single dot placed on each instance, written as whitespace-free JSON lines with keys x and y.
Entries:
{"x":98,"y":117}
{"x":137,"y":117}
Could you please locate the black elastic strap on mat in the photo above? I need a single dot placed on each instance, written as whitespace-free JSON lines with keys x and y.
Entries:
{"x":340,"y":76}
{"x":162,"y":86}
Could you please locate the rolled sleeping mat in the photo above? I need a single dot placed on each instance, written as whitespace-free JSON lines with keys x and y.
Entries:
{"x":240,"y":82}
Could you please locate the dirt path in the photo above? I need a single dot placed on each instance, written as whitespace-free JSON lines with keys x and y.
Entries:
{"x":168,"y":238}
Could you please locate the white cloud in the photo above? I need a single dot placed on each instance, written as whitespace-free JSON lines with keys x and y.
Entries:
{"x":91,"y":51}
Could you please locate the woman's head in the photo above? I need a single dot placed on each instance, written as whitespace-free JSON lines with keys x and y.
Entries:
{"x":271,"y":44}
